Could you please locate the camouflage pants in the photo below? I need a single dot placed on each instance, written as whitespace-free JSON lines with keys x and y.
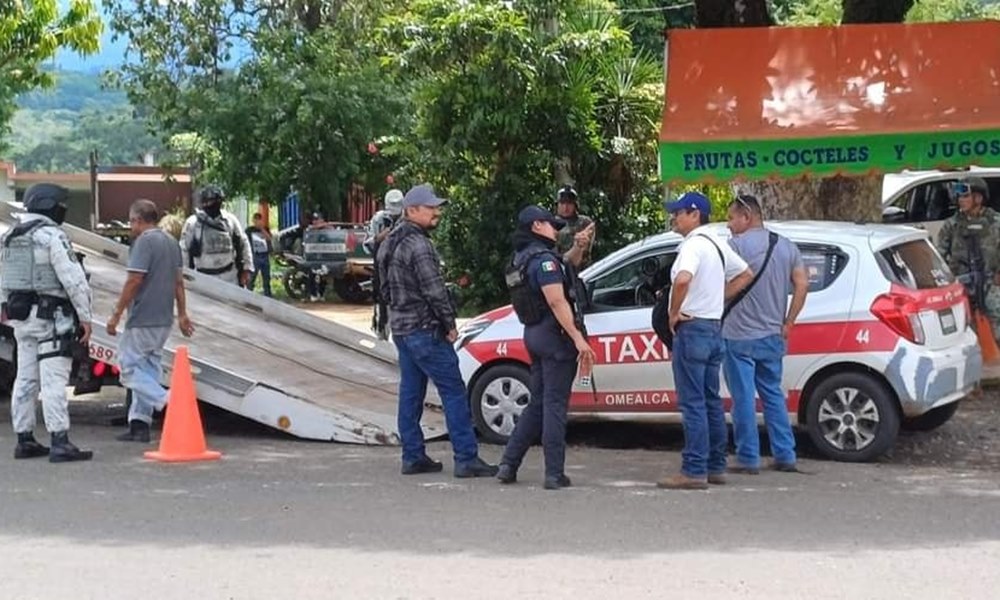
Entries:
{"x":992,"y":308}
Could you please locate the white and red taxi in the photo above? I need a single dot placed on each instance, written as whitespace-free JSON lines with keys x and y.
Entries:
{"x":885,"y":340}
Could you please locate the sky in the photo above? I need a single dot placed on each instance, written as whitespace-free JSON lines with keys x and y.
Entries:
{"x":111,"y":54}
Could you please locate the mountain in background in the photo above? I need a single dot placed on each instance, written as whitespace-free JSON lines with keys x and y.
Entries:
{"x":55,"y":129}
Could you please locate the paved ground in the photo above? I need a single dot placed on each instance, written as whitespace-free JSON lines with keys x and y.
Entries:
{"x":278,"y":518}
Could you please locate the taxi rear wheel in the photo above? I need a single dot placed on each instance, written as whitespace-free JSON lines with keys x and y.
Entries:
{"x":852,"y":417}
{"x":498,"y":398}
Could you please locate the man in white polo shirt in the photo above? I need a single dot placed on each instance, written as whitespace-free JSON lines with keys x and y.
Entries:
{"x":705,"y":274}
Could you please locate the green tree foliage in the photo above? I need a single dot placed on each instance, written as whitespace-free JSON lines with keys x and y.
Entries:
{"x":513,"y":99}
{"x":31,"y":31}
{"x":290,"y":94}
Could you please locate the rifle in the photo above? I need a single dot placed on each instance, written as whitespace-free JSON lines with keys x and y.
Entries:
{"x":977,"y":298}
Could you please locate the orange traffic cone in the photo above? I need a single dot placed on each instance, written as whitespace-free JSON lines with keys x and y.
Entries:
{"x":183,"y":439}
{"x":987,"y":343}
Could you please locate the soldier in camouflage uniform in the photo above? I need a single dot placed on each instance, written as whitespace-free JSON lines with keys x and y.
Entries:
{"x":576,"y":239}
{"x":974,"y":221}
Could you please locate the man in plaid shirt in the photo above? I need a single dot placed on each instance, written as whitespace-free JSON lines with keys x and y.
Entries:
{"x":422,"y":320}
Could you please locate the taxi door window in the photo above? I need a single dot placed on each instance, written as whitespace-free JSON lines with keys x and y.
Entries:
{"x":633,"y":284}
{"x":823,"y":265}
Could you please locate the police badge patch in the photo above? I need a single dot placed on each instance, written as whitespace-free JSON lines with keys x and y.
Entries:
{"x":548,"y":266}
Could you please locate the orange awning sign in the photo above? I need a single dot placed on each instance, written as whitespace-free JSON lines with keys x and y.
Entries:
{"x":790,"y":101}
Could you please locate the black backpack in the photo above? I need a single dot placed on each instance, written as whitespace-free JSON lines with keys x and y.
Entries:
{"x":661,"y":310}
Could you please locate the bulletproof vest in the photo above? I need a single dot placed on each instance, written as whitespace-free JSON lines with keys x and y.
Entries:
{"x":217,"y":249}
{"x":529,"y":305}
{"x":26,"y":264}
{"x":971,"y":243}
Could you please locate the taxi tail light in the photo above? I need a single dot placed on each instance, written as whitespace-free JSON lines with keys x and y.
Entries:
{"x":98,"y":368}
{"x":900,"y":312}
{"x":351,"y":242}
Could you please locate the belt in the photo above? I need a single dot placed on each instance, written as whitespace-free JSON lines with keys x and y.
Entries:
{"x":218,"y":271}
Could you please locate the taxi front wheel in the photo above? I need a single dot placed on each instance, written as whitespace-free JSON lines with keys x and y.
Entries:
{"x":498,"y":397}
{"x":852,"y":417}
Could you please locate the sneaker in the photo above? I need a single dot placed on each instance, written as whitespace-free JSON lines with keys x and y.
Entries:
{"x":476,"y":467}
{"x":717,"y":478}
{"x":682,"y":482}
{"x":424,"y":465}
{"x":506,"y":474}
{"x":556,"y":483}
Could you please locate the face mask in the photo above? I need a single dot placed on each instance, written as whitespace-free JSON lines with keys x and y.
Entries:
{"x":213,"y":210}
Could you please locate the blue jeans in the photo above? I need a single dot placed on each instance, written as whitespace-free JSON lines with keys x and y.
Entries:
{"x":262,"y":267}
{"x":696,"y":360}
{"x":756,"y":365}
{"x":424,"y":355}
{"x":140,"y":356}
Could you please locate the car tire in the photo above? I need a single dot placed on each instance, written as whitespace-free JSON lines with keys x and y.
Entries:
{"x":931,"y":419}
{"x":294,"y":282}
{"x":350,"y":290}
{"x":863,"y":405}
{"x":499,"y":395}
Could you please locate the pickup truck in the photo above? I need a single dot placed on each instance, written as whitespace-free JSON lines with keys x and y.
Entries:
{"x":333,"y":250}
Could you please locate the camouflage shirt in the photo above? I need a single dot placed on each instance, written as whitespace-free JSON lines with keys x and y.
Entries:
{"x":956,"y":234}
{"x":573,"y":226}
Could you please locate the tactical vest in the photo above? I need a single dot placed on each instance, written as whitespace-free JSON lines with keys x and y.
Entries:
{"x":530,"y":305}
{"x":216,"y":243}
{"x":24,"y":269}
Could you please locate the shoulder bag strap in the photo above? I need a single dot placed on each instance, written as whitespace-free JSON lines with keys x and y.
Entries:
{"x":772,"y":241}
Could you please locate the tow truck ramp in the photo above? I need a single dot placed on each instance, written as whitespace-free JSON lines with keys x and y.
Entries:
{"x":260,"y":358}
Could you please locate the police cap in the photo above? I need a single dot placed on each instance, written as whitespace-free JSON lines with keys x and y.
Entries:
{"x":531,"y":213}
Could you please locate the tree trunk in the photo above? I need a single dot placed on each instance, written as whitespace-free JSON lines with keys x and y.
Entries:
{"x":731,"y":13}
{"x":876,"y":11}
{"x":857,"y":199}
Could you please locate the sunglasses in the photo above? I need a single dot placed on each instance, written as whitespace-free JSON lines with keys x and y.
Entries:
{"x":960,"y":189}
{"x":748,"y":203}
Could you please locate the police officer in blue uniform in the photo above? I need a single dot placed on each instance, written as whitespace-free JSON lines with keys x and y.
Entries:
{"x":543,"y":293}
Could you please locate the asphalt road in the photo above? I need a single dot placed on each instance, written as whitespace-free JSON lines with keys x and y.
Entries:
{"x":279,"y":518}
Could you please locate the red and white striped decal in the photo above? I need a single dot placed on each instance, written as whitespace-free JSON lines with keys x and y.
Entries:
{"x":844,"y":337}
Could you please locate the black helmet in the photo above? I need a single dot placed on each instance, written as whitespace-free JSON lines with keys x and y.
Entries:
{"x":209,"y":195}
{"x":47,"y":199}
{"x":566,"y":194}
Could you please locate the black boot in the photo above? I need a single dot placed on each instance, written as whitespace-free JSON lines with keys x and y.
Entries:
{"x":28,"y":446}
{"x":137,"y":432}
{"x":63,"y":450}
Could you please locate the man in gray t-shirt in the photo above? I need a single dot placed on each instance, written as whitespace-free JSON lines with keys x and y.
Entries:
{"x":154,"y":283}
{"x":756,"y":333}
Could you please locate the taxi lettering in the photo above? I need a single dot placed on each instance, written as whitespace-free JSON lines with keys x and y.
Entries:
{"x":637,"y":399}
{"x":631,"y":348}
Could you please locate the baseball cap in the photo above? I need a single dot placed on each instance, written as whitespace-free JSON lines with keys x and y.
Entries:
{"x":690,"y":201}
{"x":531,"y":213}
{"x":422,"y":195}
